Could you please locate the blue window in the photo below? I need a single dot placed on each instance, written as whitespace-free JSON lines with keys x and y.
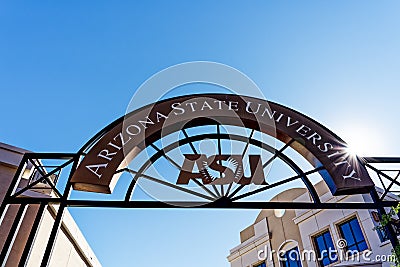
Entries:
{"x":351,"y":232}
{"x":291,"y":258}
{"x":381,"y":231}
{"x":260,"y":265}
{"x":325,"y":249}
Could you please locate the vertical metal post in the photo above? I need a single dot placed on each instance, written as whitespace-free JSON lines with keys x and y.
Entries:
{"x":3,"y":209}
{"x":32,"y":236}
{"x":59,"y":216}
{"x":12,"y":234}
{"x":11,"y":189}
{"x":381,"y":211}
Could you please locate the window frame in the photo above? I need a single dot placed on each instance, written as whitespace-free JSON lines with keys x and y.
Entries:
{"x":281,"y":263}
{"x":259,"y":264}
{"x":313,"y":237}
{"x":382,"y":233}
{"x":347,"y":220}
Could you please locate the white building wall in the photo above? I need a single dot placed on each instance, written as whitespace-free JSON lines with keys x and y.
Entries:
{"x":312,"y":222}
{"x":71,"y":248}
{"x":246,"y":254}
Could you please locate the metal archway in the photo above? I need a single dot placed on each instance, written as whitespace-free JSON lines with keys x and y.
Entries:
{"x":96,"y":166}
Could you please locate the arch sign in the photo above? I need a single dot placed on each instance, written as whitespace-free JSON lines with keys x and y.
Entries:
{"x":204,"y":146}
{"x":114,"y":147}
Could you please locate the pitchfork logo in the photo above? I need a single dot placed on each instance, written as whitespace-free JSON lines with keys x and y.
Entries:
{"x":221,"y":169}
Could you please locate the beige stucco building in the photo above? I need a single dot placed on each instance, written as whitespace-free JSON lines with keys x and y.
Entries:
{"x":304,"y":232}
{"x":71,"y":248}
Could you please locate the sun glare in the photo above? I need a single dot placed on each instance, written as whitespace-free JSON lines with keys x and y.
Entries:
{"x":363,"y":143}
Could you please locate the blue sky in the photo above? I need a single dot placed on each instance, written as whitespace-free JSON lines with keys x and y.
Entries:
{"x":69,"y":68}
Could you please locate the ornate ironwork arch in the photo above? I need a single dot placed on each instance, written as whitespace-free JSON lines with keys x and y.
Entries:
{"x":97,"y":165}
{"x":343,"y":173}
